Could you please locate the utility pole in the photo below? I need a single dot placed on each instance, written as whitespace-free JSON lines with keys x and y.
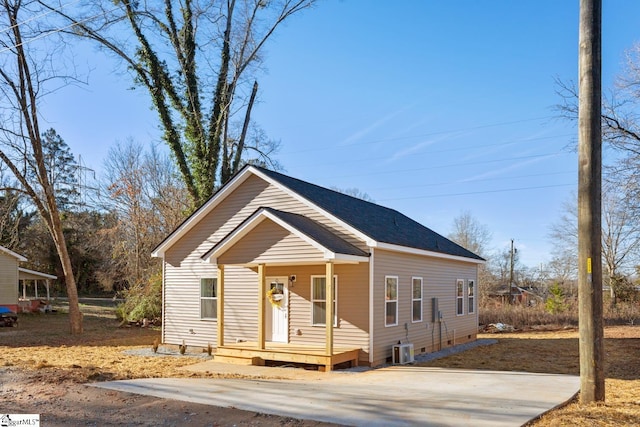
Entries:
{"x":511,"y":299}
{"x":589,"y":203}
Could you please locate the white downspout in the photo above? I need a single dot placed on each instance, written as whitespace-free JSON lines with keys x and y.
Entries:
{"x":371,"y":304}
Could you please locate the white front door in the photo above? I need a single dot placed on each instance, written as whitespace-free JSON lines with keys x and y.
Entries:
{"x":277,"y":303}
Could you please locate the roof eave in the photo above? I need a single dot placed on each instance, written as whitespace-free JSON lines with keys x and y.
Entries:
{"x":191,"y":221}
{"x":37,"y":273}
{"x":13,"y":254}
{"x":211,"y":256}
{"x":423,"y":252}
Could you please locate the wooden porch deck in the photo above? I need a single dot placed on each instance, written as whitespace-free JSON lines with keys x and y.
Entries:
{"x":247,"y":353}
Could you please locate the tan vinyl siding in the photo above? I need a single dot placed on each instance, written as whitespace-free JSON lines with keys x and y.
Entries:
{"x":235,"y":208}
{"x":268,"y":243}
{"x":8,"y":280}
{"x":353,"y":306}
{"x":184,"y":267}
{"x":439,"y":281}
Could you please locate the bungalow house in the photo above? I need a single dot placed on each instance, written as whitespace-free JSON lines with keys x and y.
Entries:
{"x":247,"y":274}
{"x":12,"y":276}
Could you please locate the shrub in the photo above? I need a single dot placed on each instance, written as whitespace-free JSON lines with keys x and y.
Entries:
{"x":555,"y":303}
{"x":625,"y":312}
{"x":624,"y":289}
{"x":142,"y":301}
{"x":522,"y":316}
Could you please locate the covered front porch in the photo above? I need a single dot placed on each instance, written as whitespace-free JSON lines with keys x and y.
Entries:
{"x":307,"y":244}
{"x":32,"y":300}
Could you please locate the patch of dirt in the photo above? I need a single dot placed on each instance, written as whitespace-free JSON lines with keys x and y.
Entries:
{"x":62,"y":401}
{"x":44,"y":369}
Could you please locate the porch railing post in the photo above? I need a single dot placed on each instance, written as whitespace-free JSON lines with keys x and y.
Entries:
{"x":329,"y":307}
{"x":262,"y":283}
{"x":220,"y":302}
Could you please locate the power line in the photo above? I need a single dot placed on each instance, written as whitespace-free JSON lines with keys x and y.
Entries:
{"x":504,"y":190}
{"x":33,"y":18}
{"x":400,"y":138}
{"x":452,"y":165}
{"x":464,"y":181}
{"x":54,"y":31}
{"x":443,"y":150}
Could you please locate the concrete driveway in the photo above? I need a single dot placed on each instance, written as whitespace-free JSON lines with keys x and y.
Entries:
{"x":393,"y":396}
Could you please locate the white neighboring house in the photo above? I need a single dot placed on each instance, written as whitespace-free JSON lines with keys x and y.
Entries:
{"x":12,"y":276}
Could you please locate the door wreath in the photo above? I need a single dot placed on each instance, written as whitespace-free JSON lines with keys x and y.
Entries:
{"x":275,"y":297}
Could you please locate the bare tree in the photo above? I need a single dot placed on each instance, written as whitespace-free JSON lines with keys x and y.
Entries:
{"x":469,"y":233}
{"x":196,"y":60}
{"x":26,"y":73}
{"x":148,"y":201}
{"x":355,"y":192}
{"x":12,"y":215}
{"x":620,"y":236}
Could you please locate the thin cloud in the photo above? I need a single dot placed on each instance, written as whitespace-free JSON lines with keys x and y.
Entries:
{"x":421,"y":145}
{"x":507,"y":169}
{"x":362,"y":132}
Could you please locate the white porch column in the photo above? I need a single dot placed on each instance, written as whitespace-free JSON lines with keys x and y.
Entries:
{"x":35,"y":285}
{"x":24,"y":289}
{"x":262,"y":284}
{"x":48,"y":283}
{"x":329,"y":297}
{"x":220,"y":303}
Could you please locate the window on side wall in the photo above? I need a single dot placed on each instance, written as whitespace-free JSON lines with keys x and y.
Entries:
{"x":391,"y":300}
{"x":460,"y":297}
{"x":319,"y":301}
{"x":208,"y":298}
{"x":472,"y":296}
{"x":416,"y":299}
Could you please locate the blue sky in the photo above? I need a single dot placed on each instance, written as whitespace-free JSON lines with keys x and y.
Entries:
{"x":430,"y":107}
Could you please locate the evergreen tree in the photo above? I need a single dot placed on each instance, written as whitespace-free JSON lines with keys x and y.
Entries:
{"x":62,"y":168}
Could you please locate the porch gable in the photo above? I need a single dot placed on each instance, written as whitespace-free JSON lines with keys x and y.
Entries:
{"x":275,"y":237}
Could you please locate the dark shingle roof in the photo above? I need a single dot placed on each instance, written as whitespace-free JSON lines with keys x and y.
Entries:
{"x":378,"y":222}
{"x":319,"y":233}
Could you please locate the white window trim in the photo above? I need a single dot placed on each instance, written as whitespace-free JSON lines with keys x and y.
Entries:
{"x":421,"y":299}
{"x":396,"y":300}
{"x":335,"y":296}
{"x":459,"y":282}
{"x":471,"y":299}
{"x":215,"y":279}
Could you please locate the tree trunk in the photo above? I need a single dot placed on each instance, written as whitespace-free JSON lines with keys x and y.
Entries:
{"x":589,"y":204}
{"x":75,"y":316}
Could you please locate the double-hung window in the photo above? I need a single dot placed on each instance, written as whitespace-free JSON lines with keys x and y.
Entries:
{"x":460,"y":297}
{"x":319,"y":301}
{"x":208,"y":298}
{"x":416,"y":299}
{"x":391,"y":300}
{"x":472,"y":296}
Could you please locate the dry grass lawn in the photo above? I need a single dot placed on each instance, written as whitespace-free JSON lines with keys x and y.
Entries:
{"x":41,"y":343}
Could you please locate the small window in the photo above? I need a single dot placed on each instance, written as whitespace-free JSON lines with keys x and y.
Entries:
{"x":319,"y":301}
{"x":208,"y":299}
{"x":416,"y":299}
{"x":472,"y":296}
{"x":391,"y":300}
{"x":460,"y":297}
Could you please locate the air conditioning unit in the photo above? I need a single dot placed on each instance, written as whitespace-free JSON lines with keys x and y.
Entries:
{"x":402,"y":354}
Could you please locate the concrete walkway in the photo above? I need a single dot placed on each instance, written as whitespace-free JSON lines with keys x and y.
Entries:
{"x":393,"y":396}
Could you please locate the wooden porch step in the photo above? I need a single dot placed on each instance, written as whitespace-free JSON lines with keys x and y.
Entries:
{"x":250,"y":355}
